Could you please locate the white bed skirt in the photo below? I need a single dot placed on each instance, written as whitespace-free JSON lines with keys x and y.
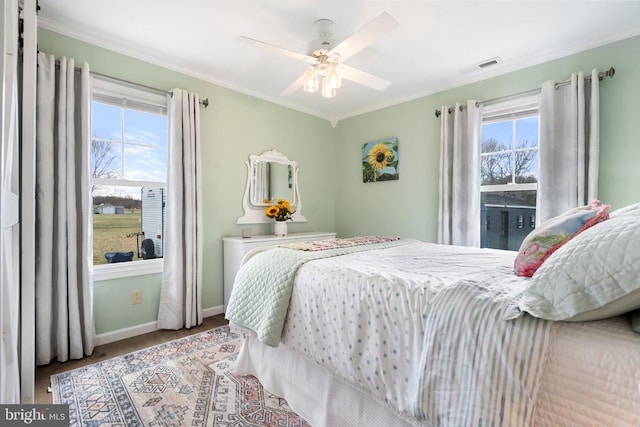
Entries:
{"x":313,"y":393}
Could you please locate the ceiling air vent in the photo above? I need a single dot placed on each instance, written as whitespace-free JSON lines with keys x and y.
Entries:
{"x":481,"y":65}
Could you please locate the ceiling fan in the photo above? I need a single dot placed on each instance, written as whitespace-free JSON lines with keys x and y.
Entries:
{"x":326,"y":57}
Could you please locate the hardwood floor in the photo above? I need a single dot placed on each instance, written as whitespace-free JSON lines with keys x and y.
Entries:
{"x":118,"y":348}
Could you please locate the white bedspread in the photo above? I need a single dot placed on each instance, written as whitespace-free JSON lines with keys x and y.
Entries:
{"x":362,"y":316}
{"x":418,"y":329}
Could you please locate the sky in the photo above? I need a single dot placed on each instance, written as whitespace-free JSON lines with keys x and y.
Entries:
{"x":526,"y":129}
{"x":138,"y":141}
{"x":526,"y":135}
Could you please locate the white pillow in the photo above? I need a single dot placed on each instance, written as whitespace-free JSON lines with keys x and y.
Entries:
{"x":627,"y":210}
{"x":594,"y":276}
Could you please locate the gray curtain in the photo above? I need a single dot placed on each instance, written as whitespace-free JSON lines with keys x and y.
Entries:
{"x":63,"y":285}
{"x":569,"y":145}
{"x":459,"y":195}
{"x":181,"y":294}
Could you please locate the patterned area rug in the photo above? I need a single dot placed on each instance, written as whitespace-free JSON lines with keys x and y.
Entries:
{"x":187,"y":382}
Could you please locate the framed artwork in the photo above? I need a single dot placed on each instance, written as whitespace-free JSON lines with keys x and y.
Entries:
{"x":380,"y":160}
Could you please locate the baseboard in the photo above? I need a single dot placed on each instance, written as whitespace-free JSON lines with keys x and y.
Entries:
{"x":124,"y":333}
{"x":134,"y":331}
{"x":213,"y":311}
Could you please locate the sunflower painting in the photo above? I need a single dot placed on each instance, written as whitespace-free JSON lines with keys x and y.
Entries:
{"x":380,"y":160}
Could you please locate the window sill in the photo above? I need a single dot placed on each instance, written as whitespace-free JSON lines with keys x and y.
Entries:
{"x":127,"y":269}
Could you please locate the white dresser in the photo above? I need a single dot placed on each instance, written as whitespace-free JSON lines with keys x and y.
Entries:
{"x":235,"y":248}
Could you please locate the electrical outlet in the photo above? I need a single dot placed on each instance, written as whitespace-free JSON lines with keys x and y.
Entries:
{"x":136,"y":297}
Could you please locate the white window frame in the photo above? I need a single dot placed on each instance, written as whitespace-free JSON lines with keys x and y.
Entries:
{"x":510,"y":110}
{"x":132,"y":97}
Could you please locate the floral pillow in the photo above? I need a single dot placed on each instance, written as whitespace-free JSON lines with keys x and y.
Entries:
{"x":555,"y":232}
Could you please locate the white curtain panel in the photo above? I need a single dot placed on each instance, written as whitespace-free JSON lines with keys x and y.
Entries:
{"x":569,"y":145}
{"x":459,"y":195}
{"x":9,"y":282}
{"x":181,"y":295}
{"x":63,"y":265}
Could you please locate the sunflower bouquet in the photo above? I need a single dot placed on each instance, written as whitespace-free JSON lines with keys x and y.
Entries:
{"x":281,"y":211}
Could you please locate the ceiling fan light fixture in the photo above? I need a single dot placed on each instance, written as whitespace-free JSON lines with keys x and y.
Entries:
{"x":328,"y":91}
{"x":335,"y":79}
{"x":311,"y":80}
{"x":327,"y":57}
{"x":323,"y":68}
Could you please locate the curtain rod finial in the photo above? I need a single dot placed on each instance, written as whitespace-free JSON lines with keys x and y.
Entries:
{"x":611,"y":72}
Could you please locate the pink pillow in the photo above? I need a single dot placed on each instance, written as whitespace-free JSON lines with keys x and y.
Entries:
{"x":555,"y":232}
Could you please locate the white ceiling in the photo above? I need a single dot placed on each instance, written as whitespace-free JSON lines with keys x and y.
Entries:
{"x":425,"y":54}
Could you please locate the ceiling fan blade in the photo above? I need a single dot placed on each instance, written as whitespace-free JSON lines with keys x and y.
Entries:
{"x":293,"y":86}
{"x":363,"y":78}
{"x":280,"y":50}
{"x":366,"y":35}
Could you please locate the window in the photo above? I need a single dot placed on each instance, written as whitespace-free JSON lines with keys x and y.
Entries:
{"x":509,"y":173}
{"x":129,"y":134}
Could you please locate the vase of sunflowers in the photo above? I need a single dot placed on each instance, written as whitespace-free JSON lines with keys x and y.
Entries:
{"x":280,"y":228}
{"x":281,"y":212}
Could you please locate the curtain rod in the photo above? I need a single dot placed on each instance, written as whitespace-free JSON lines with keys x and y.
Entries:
{"x":203,"y":102}
{"x":609,"y":73}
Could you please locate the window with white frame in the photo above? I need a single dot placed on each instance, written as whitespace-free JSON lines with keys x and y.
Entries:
{"x":129,"y":134}
{"x":509,"y":172}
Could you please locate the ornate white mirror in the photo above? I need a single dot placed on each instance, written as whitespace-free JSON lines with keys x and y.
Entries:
{"x":270,"y":176}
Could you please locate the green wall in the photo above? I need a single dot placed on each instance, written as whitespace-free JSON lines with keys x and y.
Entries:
{"x":408,"y":207}
{"x":112,"y":302}
{"x":335,"y":199}
{"x":232,"y":127}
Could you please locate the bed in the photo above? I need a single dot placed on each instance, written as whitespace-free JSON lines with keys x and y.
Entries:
{"x":392,"y":332}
